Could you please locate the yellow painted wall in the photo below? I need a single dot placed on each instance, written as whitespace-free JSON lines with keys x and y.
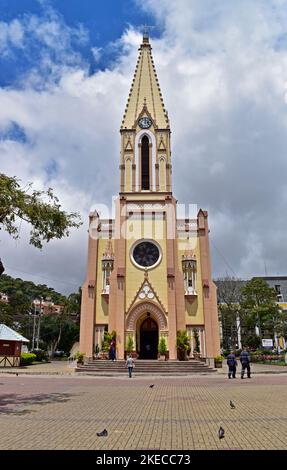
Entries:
{"x":193,"y":310}
{"x":162,"y":174}
{"x":102,"y":311}
{"x":135,"y":276}
{"x":128,"y":175}
{"x":150,"y":229}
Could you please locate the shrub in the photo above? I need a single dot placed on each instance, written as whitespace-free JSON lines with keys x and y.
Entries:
{"x":183,"y":344}
{"x":40,"y":355}
{"x":218,"y":358}
{"x":225,"y":352}
{"x":27,"y":359}
{"x":130,"y":344}
{"x":266,"y":357}
{"x":197,"y":341}
{"x":108,"y":337}
{"x":252,"y":341}
{"x":162,"y":349}
{"x":79,"y":357}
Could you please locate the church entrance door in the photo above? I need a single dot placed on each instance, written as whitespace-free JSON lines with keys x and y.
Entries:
{"x":148,"y":339}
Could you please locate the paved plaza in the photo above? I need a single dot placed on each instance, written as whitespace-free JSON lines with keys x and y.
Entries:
{"x":66,"y":412}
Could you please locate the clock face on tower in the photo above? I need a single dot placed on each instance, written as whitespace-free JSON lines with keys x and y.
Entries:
{"x":145,"y":122}
{"x":146,"y":254}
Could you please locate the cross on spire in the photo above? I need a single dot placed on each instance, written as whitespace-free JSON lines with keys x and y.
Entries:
{"x":146,"y":29}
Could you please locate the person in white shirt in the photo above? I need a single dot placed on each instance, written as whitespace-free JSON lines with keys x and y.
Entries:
{"x":130,"y":364}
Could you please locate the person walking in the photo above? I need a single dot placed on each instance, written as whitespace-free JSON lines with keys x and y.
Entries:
{"x":245,"y":363}
{"x":112,"y":351}
{"x":232,"y":364}
{"x":130,"y":364}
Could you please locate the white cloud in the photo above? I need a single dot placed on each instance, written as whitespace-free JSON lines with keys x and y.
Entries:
{"x":222,"y":68}
{"x":11,"y":35}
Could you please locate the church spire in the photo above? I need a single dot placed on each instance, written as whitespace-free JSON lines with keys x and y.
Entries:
{"x":145,"y":93}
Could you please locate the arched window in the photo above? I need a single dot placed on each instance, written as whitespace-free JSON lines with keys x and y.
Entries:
{"x":145,"y":163}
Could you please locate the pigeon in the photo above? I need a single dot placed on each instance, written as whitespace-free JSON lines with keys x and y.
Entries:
{"x":151,"y":386}
{"x":221,"y":432}
{"x":102,"y":433}
{"x":232,"y":406}
{"x":17,"y":374}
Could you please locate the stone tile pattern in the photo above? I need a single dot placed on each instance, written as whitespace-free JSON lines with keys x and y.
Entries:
{"x":44,"y":412}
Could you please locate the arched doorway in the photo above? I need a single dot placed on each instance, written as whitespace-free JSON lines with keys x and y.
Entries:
{"x":148,"y":343}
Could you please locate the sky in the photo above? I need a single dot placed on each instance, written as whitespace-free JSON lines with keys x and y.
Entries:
{"x":65,"y":71}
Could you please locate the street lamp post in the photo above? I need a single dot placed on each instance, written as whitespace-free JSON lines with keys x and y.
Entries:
{"x":34,"y":326}
{"x":39,"y":321}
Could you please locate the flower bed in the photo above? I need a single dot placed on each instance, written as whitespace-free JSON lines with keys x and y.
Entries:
{"x":267,"y":358}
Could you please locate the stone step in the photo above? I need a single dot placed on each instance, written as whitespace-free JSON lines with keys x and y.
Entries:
{"x":145,"y":367}
{"x":119,"y":366}
{"x":137,"y":373}
{"x":164,"y":364}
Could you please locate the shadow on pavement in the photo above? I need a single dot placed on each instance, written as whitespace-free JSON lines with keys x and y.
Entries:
{"x":16,"y":404}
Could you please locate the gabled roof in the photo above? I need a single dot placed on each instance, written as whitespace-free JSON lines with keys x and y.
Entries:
{"x":7,"y":334}
{"x":145,"y":96}
{"x":146,"y":283}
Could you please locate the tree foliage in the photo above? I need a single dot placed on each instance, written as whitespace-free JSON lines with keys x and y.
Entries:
{"x":259,"y":304}
{"x":251,"y":307}
{"x":29,"y":290}
{"x":130,"y":345}
{"x":162,"y":348}
{"x":41,"y":209}
{"x":229,"y":297}
{"x":56,"y":330}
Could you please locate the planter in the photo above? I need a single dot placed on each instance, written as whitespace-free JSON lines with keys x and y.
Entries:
{"x":218,"y":364}
{"x":161,"y":357}
{"x":133,"y":354}
{"x":182,"y":355}
{"x":103,"y":355}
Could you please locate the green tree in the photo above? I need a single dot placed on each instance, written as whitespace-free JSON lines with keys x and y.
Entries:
{"x":6,"y":314}
{"x":41,"y":209}
{"x":58,"y":330}
{"x":259,"y":307}
{"x":229,"y":296}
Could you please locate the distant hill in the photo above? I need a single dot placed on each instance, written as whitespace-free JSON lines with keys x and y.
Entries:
{"x":29,"y":290}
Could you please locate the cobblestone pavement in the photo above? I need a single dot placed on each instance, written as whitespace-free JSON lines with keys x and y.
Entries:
{"x":56,"y":412}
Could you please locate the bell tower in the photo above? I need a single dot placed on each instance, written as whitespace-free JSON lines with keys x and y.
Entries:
{"x":148,"y":273}
{"x":145,"y":131}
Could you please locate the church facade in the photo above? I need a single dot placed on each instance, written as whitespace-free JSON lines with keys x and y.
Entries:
{"x":148,"y":272}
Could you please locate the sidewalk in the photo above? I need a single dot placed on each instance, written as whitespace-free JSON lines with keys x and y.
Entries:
{"x":45,"y":368}
{"x":256,"y":369}
{"x":68,"y":368}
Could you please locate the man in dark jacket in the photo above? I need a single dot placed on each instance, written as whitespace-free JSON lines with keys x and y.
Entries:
{"x":245,"y":363}
{"x":232,"y":363}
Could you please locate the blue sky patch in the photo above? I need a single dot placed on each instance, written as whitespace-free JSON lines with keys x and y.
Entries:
{"x":14,"y":132}
{"x":39,"y":34}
